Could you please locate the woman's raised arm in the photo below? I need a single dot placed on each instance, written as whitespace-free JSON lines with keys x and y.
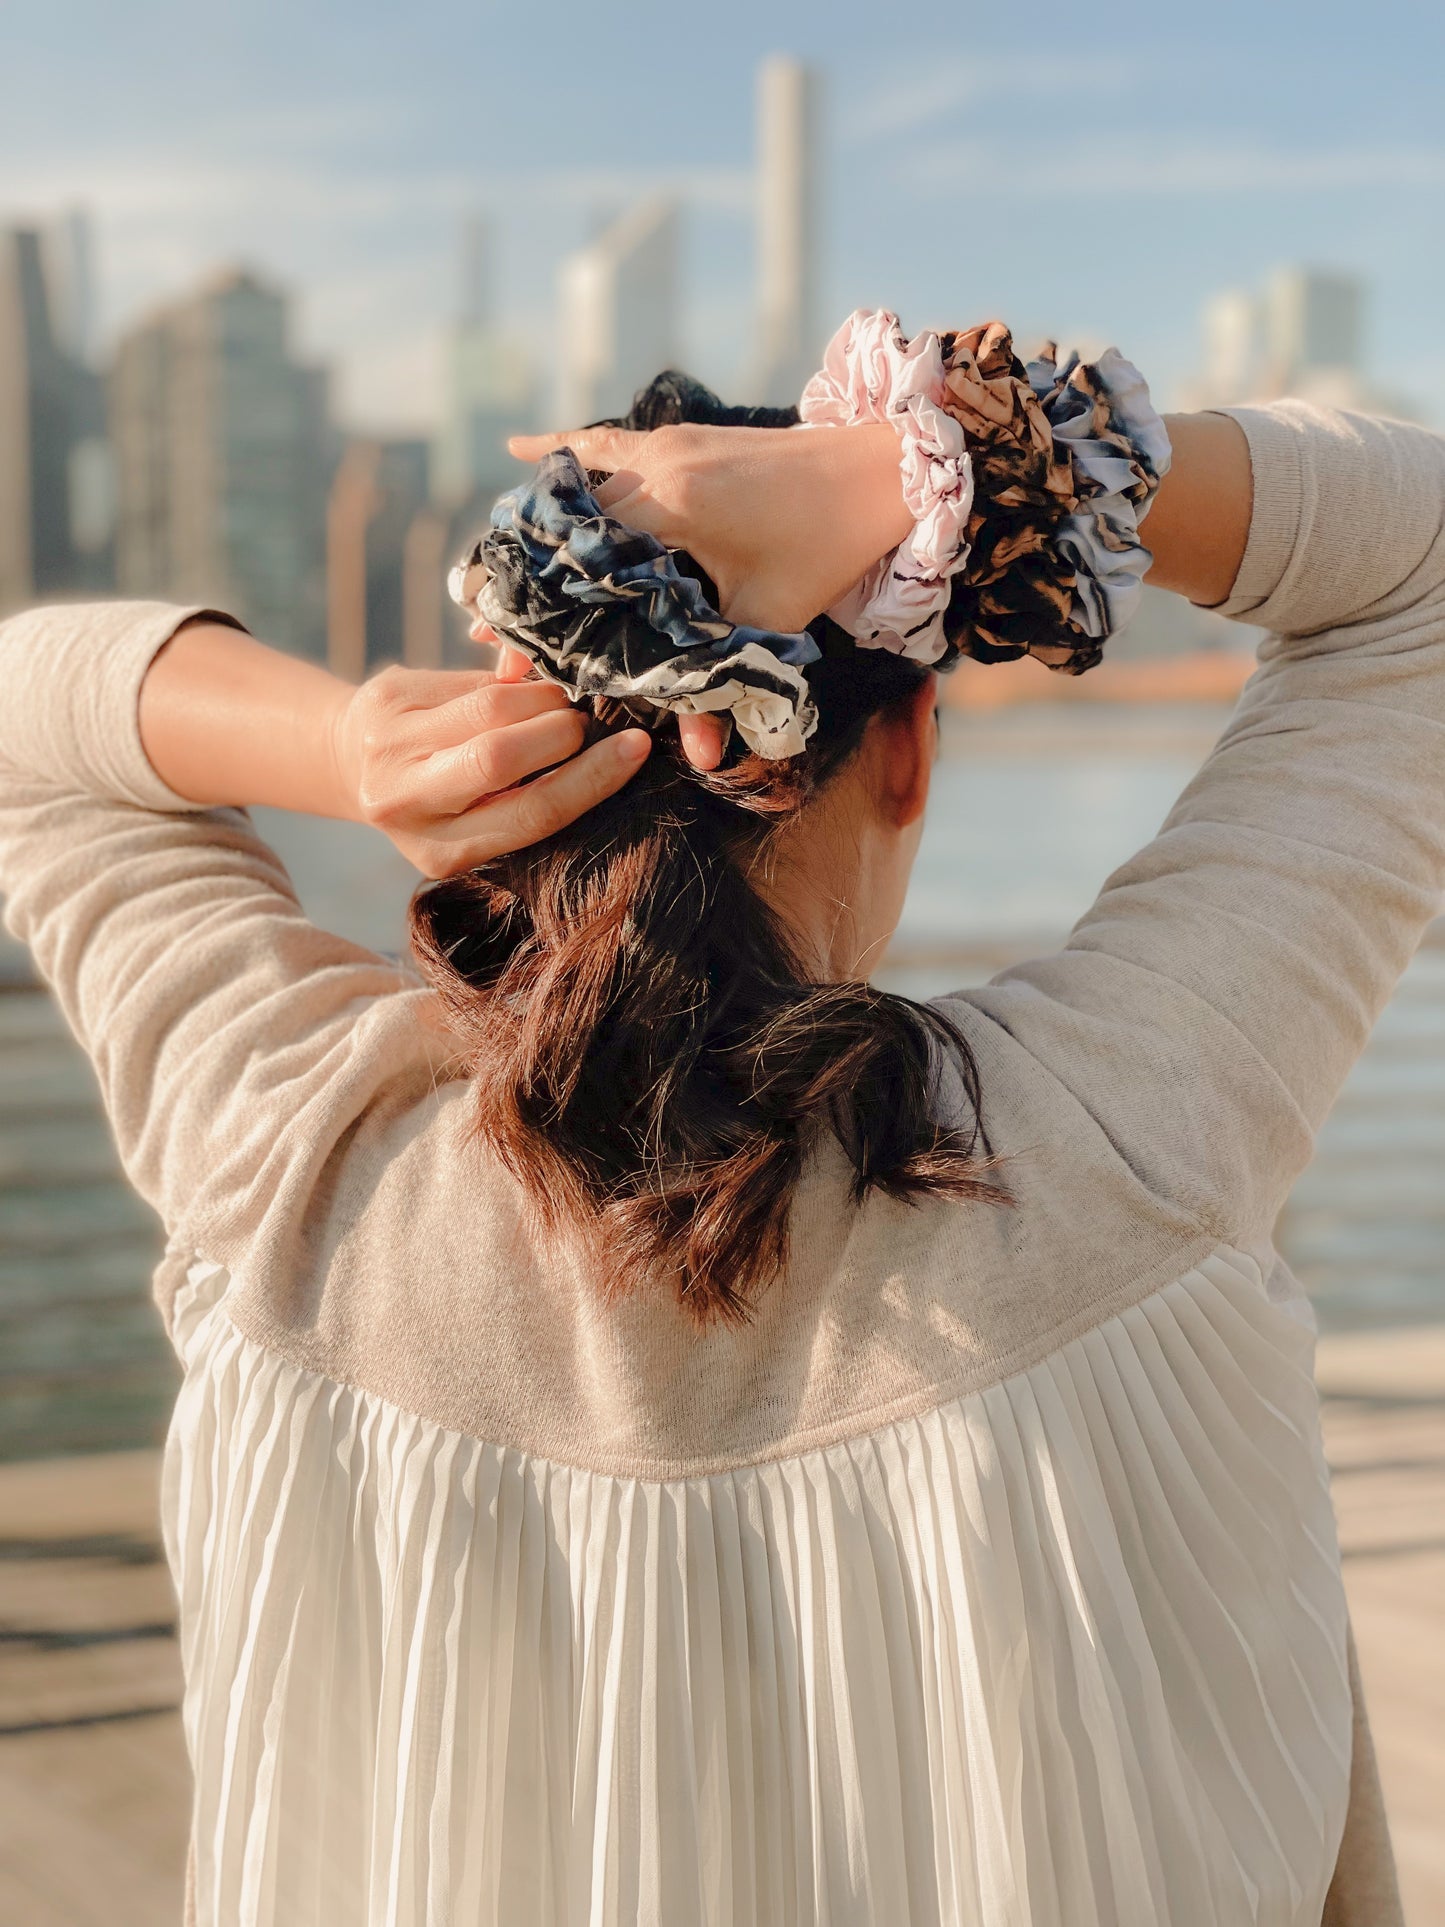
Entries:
{"x":433,"y":758}
{"x":786,"y":522}
{"x":169,"y":931}
{"x":1209,"y":1005}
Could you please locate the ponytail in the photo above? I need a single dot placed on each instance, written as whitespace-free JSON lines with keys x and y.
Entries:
{"x":651,"y":1059}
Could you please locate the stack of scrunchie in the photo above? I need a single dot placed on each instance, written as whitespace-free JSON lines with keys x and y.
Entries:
{"x":1026,"y":482}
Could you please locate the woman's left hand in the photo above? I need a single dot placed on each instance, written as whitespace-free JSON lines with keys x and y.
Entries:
{"x":785,"y":522}
{"x":438,"y":761}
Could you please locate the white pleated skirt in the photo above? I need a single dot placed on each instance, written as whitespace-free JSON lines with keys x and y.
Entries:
{"x":1067,"y":1652}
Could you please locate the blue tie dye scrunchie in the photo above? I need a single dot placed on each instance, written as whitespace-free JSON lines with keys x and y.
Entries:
{"x":603,"y":609}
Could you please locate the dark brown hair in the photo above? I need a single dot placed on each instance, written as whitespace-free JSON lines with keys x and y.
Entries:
{"x":650,"y":1056}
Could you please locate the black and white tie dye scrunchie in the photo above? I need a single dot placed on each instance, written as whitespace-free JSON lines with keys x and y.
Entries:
{"x":603,"y":609}
{"x":1027,"y":485}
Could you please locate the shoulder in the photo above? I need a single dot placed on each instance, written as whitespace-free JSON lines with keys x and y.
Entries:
{"x":420,"y":1272}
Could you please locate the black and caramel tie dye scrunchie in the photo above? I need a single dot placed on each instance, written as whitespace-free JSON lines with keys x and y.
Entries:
{"x":1066,"y":458}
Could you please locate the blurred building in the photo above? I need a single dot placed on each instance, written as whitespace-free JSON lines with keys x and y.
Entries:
{"x":1231,"y":329}
{"x":1302,"y":334}
{"x":788,"y":231}
{"x":1313,"y":327}
{"x":56,"y":500}
{"x":379,"y":490}
{"x":490,"y":384}
{"x":617,"y":320}
{"x":222,"y":451}
{"x":70,"y":262}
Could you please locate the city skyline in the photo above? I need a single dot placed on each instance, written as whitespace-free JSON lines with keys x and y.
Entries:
{"x":232,"y":477}
{"x":1044,"y":180}
{"x":225,"y":478}
{"x":226,"y":475}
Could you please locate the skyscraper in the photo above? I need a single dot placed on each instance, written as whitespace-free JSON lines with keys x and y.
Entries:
{"x":376,"y":494}
{"x":1303,"y":334}
{"x":70,"y":270}
{"x":490,"y":385}
{"x":1314,"y":326}
{"x":789,"y":331}
{"x":222,"y":453}
{"x":617,"y":301}
{"x":55,"y":523}
{"x":1232,"y":346}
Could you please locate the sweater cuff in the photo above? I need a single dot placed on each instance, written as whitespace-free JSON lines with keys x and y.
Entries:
{"x":1275,"y":451}
{"x":142,"y":630}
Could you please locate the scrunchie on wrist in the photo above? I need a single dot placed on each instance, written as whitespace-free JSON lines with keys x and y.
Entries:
{"x":1027,"y":484}
{"x":871,"y":372}
{"x":1066,"y":457}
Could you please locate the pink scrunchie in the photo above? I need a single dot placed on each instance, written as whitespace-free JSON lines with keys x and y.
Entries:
{"x":871,"y":373}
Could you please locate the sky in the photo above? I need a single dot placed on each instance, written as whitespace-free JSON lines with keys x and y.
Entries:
{"x":1094,"y":172}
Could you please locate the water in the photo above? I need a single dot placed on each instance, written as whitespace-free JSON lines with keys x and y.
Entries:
{"x":1031,"y":811}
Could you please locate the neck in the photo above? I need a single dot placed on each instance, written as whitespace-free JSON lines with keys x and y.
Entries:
{"x":816,"y":875}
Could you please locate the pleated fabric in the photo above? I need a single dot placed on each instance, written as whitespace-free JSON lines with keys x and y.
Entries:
{"x":1065,"y":1652}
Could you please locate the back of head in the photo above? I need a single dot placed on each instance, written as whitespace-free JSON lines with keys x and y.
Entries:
{"x":651,"y":1057}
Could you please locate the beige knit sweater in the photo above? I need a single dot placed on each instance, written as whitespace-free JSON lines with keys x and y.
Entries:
{"x":989,"y":1575}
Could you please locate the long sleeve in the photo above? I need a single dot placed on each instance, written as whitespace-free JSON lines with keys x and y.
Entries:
{"x":234,"y":1042}
{"x":1208,"y":1007}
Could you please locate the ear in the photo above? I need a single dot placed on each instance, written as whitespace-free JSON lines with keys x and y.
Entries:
{"x":905,"y":744}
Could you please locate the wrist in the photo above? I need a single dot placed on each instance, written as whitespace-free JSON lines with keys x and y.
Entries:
{"x":880,"y":471}
{"x":226,"y":721}
{"x":340,"y":751}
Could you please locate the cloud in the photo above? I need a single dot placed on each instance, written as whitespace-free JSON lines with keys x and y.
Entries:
{"x":1147,"y":168}
{"x":921,"y":96}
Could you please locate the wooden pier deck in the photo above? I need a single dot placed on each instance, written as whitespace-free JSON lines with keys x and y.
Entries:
{"x":93,"y":1780}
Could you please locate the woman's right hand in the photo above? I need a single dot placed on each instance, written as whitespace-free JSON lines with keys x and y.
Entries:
{"x":784,"y":521}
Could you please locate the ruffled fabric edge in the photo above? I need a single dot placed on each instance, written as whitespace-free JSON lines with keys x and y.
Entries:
{"x":1015,"y":595}
{"x":1027,"y":483}
{"x":1102,"y":414}
{"x":555,"y":573}
{"x":872,"y":373}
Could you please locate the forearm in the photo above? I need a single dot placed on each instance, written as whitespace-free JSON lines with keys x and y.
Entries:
{"x":1198,"y":525}
{"x":225,"y":720}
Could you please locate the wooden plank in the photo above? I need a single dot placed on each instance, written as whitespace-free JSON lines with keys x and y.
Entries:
{"x":97,"y":1820}
{"x":1383,"y":1414}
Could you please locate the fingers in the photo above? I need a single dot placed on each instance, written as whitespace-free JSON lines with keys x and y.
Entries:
{"x":528,"y":815}
{"x":639,"y":510}
{"x":703,"y":740}
{"x":513,"y":666}
{"x":604,"y":448}
{"x":621,"y":484}
{"x":784,"y":606}
{"x":493,"y":705}
{"x":628,"y":493}
{"x":456,"y":780}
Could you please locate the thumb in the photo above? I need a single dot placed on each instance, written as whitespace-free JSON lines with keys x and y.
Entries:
{"x":601,"y":448}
